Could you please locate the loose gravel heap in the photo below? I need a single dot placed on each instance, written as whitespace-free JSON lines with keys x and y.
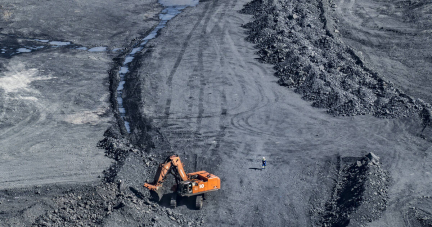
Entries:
{"x":298,"y":39}
{"x":360,"y":193}
{"x":120,"y":199}
{"x":96,"y":206}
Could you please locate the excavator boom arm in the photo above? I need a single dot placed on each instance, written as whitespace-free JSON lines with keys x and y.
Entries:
{"x":163,"y":171}
{"x":175,"y":160}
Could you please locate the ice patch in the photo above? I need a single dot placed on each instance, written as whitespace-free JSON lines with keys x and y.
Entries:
{"x":82,"y":48}
{"x":135,"y":50}
{"x":152,"y":35}
{"x":123,"y":70}
{"x":38,"y":47}
{"x":59,"y":43}
{"x":121,"y":85}
{"x":42,"y":40}
{"x":119,"y":100}
{"x":178,"y":2}
{"x":128,"y":60}
{"x":97,"y":49}
{"x":23,"y":50}
{"x":127,"y":126}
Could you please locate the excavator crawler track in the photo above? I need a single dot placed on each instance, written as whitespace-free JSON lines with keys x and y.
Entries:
{"x":198,"y":202}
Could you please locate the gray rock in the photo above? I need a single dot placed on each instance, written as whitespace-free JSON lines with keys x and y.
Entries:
{"x":373,"y":158}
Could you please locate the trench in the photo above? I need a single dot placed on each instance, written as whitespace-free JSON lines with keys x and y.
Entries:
{"x":172,"y":9}
{"x":22,"y":45}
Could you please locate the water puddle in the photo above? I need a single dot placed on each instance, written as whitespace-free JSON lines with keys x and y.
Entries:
{"x":97,"y":49}
{"x":59,"y":43}
{"x":42,"y":40}
{"x":23,"y":50}
{"x":26,"y":45}
{"x":172,"y":9}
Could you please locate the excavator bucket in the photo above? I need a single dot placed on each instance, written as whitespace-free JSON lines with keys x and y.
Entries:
{"x":156,"y":195}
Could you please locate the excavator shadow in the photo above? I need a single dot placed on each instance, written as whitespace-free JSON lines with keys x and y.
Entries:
{"x":165,"y":200}
{"x":189,"y":202}
{"x":256,"y":168}
{"x":137,"y":193}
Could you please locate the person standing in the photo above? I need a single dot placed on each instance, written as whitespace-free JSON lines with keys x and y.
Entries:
{"x":264,"y":163}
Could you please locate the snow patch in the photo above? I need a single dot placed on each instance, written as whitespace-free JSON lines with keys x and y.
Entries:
{"x":86,"y":117}
{"x":18,"y":79}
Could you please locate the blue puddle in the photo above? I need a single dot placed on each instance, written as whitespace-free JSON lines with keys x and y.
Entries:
{"x":172,"y":9}
{"x":59,"y":43}
{"x":98,"y":49}
{"x":23,"y":50}
{"x":31,"y":45}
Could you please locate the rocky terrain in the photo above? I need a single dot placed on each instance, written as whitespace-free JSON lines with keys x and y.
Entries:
{"x":360,"y":193}
{"x":308,"y":54}
{"x":333,"y":93}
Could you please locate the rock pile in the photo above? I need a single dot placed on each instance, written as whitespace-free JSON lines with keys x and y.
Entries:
{"x":296,"y":38}
{"x":95,"y":206}
{"x":120,"y":198}
{"x":360,"y":193}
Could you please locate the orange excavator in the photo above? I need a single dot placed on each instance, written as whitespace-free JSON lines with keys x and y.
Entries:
{"x":192,"y":184}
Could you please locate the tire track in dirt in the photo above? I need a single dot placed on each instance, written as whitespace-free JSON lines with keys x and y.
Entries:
{"x":198,"y":138}
{"x":216,"y":136}
{"x":202,"y":79}
{"x":234,"y":3}
{"x":37,"y":115}
{"x":240,"y":120}
{"x":241,"y":81}
{"x":190,"y":85}
{"x":217,"y":29}
{"x":177,"y":63}
{"x":196,"y":84}
{"x":364,"y":18}
{"x":4,"y":105}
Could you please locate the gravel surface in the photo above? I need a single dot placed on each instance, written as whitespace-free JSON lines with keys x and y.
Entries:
{"x":205,"y":89}
{"x":299,"y":40}
{"x":360,"y":193}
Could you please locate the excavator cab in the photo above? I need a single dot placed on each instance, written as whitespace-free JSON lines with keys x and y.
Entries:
{"x":185,"y":187}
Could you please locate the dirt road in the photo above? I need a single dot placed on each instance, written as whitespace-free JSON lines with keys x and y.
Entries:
{"x":216,"y":103}
{"x":213,"y":102}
